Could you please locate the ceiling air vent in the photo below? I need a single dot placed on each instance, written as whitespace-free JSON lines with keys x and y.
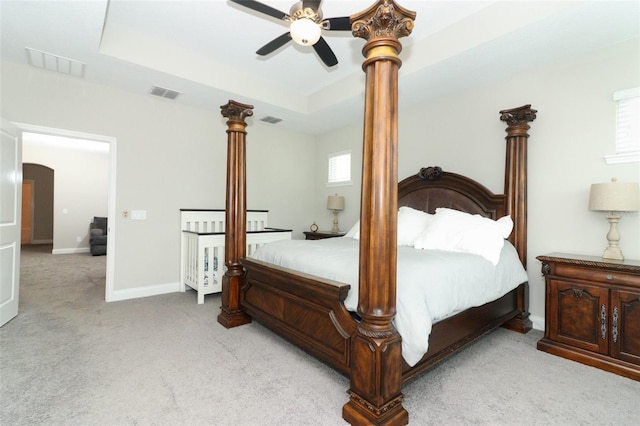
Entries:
{"x":49,"y":61}
{"x":164,"y":93}
{"x":271,"y":120}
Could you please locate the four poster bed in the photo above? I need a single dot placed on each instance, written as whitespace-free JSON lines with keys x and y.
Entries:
{"x":310,"y":311}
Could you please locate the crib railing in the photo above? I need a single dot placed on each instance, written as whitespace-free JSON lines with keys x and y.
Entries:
{"x":202,"y":248}
{"x":214,"y":220}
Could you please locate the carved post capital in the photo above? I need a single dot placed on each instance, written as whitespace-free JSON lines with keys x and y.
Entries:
{"x":382,"y":25}
{"x":236,"y":112}
{"x":384,"y":19}
{"x":517,"y":118}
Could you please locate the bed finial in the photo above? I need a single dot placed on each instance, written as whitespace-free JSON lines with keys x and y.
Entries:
{"x":430,"y":173}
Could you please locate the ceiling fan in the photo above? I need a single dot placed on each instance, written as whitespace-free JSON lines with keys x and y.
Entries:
{"x":305,"y":27}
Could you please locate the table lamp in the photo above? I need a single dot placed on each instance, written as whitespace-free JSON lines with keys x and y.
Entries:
{"x":614,"y":197}
{"x":335,"y":203}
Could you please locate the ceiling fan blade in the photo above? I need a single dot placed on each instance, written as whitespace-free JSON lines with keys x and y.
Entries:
{"x":325,"y":53}
{"x":313,"y":4}
{"x":262,"y":8}
{"x":274,"y":44}
{"x":337,"y":24}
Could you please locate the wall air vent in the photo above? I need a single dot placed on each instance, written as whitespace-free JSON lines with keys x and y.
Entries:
{"x":164,"y":93}
{"x":51,"y":62}
{"x":271,"y":120}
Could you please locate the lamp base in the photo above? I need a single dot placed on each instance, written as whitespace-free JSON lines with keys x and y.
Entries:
{"x":613,"y":253}
{"x":335,"y":228}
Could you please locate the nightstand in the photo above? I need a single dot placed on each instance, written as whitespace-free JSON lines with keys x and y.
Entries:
{"x":592,"y":311}
{"x":321,"y":235}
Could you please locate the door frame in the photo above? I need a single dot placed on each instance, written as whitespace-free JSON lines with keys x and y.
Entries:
{"x":111,"y":203}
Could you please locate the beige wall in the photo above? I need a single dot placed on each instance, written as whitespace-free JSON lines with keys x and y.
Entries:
{"x":573,"y":132}
{"x":168,"y":157}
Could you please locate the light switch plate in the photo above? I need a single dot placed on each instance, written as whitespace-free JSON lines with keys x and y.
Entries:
{"x":138,"y":215}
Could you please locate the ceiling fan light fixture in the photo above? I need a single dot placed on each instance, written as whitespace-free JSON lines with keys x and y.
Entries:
{"x":305,"y":32}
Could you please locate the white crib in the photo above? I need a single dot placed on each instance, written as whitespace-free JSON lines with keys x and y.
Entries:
{"x":202,"y":248}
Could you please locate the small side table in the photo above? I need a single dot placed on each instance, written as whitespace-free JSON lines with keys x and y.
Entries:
{"x":321,"y":235}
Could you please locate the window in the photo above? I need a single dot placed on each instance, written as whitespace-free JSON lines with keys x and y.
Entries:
{"x":339,"y":169}
{"x":627,"y":126}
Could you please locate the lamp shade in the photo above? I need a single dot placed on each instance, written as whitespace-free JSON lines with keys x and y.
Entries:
{"x":305,"y":32}
{"x":335,"y":202}
{"x":615,"y":197}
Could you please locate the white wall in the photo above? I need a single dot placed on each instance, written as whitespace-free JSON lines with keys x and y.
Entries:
{"x":81,"y":180}
{"x":168,"y":157}
{"x":573,"y":131}
{"x":349,"y":138}
{"x":279,"y":177}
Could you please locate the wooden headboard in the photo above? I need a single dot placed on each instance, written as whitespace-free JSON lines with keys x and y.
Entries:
{"x":432,"y":188}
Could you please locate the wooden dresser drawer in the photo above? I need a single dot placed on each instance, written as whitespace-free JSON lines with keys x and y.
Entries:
{"x":605,"y":276}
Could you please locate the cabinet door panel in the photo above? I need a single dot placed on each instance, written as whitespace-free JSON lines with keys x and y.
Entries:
{"x":579,"y":315}
{"x":625,"y":325}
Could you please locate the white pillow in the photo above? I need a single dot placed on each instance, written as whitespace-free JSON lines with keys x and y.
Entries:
{"x":411,"y":223}
{"x":354,"y":232}
{"x":454,"y":230}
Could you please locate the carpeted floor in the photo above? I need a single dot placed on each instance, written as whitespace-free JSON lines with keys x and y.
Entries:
{"x":70,"y":358}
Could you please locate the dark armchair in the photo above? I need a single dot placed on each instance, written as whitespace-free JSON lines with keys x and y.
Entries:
{"x":98,"y":236}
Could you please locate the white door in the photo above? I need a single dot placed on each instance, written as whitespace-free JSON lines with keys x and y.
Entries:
{"x":10,"y":207}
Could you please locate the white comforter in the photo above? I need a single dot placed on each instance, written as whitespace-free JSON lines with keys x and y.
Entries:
{"x":431,"y":284}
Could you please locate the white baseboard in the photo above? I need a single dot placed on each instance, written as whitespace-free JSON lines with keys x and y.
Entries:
{"x":538,"y":322}
{"x":135,"y":293}
{"x":70,"y":250}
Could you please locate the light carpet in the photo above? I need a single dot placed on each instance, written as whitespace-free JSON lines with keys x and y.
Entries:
{"x":70,"y":358}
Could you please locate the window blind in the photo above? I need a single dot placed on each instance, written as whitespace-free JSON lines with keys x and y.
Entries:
{"x":627,"y":121}
{"x":339,"y":168}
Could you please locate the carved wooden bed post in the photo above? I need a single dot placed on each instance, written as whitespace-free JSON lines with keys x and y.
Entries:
{"x":231,"y":314}
{"x":376,"y":359}
{"x":515,"y":188}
